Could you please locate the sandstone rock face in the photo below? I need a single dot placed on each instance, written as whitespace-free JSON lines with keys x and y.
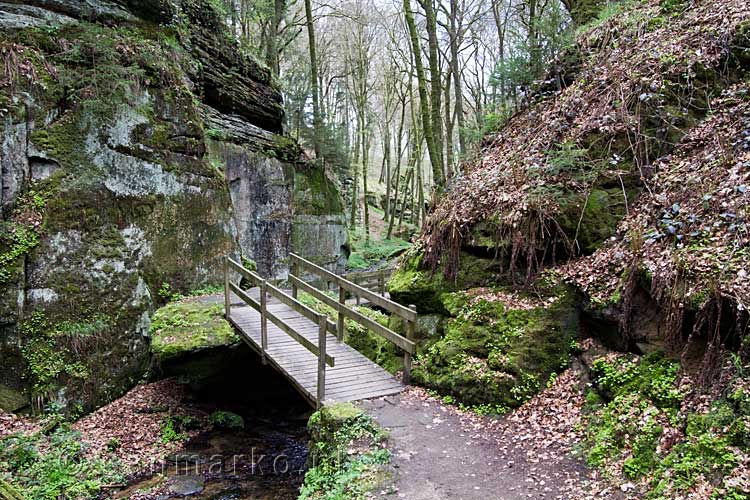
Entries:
{"x":127,"y":182}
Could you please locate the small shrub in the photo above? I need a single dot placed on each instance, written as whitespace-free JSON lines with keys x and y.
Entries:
{"x":175,"y":427}
{"x":226,"y":420}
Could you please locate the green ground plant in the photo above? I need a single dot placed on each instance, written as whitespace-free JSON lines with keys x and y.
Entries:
{"x":175,"y":427}
{"x":636,"y":401}
{"x":368,"y":253}
{"x":347,"y":454}
{"x":223,"y":419}
{"x":55,"y":466}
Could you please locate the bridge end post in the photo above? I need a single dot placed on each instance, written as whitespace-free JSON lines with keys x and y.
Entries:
{"x":263,"y":322}
{"x":295,"y":272}
{"x":340,"y":317}
{"x":322,"y":326}
{"x":407,"y":354}
{"x":227,"y":305}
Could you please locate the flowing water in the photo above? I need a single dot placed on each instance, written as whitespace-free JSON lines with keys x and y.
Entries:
{"x":265,"y":460}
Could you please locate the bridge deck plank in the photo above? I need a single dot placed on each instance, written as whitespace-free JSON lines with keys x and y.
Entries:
{"x":354,"y":377}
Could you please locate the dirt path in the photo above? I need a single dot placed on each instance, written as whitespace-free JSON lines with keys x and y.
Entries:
{"x":440,"y":453}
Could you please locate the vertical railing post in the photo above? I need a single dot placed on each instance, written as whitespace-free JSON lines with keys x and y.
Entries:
{"x":322,"y":323}
{"x":226,"y":288}
{"x":340,"y":317}
{"x":407,"y":354}
{"x":356,"y":282}
{"x":295,"y":271}
{"x":381,"y":284}
{"x":263,"y":322}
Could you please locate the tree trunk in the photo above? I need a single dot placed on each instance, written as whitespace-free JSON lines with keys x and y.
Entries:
{"x":272,"y":45}
{"x":456,"y":38}
{"x":317,"y":139}
{"x":353,"y":215}
{"x":424,"y":103}
{"x":448,"y":128}
{"x":435,"y":84}
{"x":365,"y":158}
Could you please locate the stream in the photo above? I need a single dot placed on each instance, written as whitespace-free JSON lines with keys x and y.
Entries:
{"x":265,"y":460}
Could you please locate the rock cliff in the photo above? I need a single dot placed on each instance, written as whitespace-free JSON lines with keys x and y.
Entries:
{"x":139,"y":146}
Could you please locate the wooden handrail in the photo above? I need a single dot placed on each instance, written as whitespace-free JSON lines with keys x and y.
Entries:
{"x":409,"y":315}
{"x":402,"y":342}
{"x":390,"y":306}
{"x":261,"y":306}
{"x":281,"y":296}
{"x":368,"y":274}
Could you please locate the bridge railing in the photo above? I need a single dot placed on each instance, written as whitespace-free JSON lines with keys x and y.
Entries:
{"x":372,"y":280}
{"x":261,"y":305}
{"x":407,"y":314}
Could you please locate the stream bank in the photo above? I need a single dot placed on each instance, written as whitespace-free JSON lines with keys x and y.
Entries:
{"x":254,"y":444}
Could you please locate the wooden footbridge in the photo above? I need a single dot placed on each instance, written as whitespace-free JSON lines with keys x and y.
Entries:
{"x":307,"y":347}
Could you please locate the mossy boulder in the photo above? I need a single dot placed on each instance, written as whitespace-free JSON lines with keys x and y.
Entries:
{"x":188,"y":326}
{"x":413,"y":284}
{"x":493,"y":354}
{"x":347,"y":454}
{"x":589,"y":219}
{"x":11,"y":399}
{"x":226,"y":420}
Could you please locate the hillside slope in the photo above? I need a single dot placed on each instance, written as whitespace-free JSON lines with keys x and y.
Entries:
{"x":614,"y":204}
{"x":638,"y":164}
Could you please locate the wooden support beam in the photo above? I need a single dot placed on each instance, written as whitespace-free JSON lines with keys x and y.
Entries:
{"x":294,"y":270}
{"x":407,"y":355}
{"x":321,"y":360}
{"x":227,"y":305}
{"x":340,"y":316}
{"x":263,"y":322}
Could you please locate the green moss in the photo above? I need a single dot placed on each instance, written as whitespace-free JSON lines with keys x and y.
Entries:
{"x":16,"y":240}
{"x":314,"y":192}
{"x":498,"y":356}
{"x":12,"y":400}
{"x":46,"y":359}
{"x":346,"y":454}
{"x":187,"y":326}
{"x":641,"y":401}
{"x":412,"y":283}
{"x":226,"y":420}
{"x":590,"y":220}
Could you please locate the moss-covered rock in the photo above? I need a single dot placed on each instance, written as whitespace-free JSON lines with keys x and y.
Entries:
{"x":133,"y":194}
{"x":226,"y":420}
{"x":492,"y":354}
{"x":413,"y":284}
{"x":347,"y":454}
{"x":589,"y":219}
{"x":189,"y":326}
